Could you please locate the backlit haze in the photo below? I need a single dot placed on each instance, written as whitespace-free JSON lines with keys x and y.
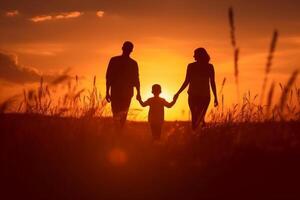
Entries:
{"x":51,"y":36}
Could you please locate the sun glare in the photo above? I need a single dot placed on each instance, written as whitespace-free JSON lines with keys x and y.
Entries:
{"x":117,"y":157}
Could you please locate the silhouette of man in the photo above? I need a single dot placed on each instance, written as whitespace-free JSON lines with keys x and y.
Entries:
{"x":122,"y":76}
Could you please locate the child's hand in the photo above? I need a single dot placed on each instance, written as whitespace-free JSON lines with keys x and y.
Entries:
{"x":175,"y":97}
{"x":138,"y":97}
{"x":216,"y":103}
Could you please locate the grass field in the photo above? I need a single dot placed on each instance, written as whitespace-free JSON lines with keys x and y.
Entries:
{"x":46,"y":157}
{"x":61,"y":145}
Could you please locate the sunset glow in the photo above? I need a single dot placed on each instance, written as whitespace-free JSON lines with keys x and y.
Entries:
{"x":149,"y":99}
{"x":84,"y":36}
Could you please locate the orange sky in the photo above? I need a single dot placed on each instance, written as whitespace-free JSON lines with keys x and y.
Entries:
{"x":50,"y":37}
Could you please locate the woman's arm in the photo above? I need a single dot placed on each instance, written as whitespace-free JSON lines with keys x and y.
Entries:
{"x":185,"y":83}
{"x":213,"y":84}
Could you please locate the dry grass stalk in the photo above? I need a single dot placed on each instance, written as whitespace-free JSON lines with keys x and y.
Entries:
{"x":4,"y":106}
{"x":234,"y":46}
{"x":270,"y":98}
{"x":286,"y":90}
{"x":222,"y":85}
{"x":232,"y":26}
{"x":236,"y":67}
{"x":269,"y":62}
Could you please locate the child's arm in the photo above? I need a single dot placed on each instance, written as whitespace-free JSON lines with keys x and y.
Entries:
{"x":170,"y":104}
{"x":143,"y":104}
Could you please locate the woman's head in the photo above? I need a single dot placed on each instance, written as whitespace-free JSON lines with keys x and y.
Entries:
{"x":201,"y":55}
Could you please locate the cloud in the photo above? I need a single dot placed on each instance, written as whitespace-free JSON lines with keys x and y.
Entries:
{"x":12,"y":71}
{"x":41,"y":18}
{"x":68,"y":15}
{"x":12,"y":13}
{"x":58,"y":16}
{"x":100,"y":13}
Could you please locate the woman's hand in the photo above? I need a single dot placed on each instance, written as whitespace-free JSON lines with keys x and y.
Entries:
{"x":108,"y":98}
{"x":216,"y":103}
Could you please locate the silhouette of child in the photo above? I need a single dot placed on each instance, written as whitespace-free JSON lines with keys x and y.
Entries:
{"x":156,"y":110}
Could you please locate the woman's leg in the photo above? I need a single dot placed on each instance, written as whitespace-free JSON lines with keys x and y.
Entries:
{"x":203,"y":106}
{"x":193,"y":109}
{"x":198,"y":107}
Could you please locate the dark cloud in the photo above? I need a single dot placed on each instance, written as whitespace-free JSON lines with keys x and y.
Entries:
{"x":12,"y":13}
{"x":12,"y":71}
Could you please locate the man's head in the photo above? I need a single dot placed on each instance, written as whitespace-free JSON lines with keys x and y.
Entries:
{"x":201,"y":55}
{"x":156,"y":89}
{"x":127,"y":48}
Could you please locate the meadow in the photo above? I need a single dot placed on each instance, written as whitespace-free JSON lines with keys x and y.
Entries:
{"x":68,"y":148}
{"x":63,"y":145}
{"x":48,"y":157}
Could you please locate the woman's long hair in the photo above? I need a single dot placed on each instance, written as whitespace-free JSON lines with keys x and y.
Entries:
{"x":202,"y":55}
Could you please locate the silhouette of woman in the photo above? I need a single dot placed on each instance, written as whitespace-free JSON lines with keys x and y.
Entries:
{"x":199,"y":76}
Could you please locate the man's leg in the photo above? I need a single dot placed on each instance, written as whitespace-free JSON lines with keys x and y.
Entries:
{"x":120,"y":107}
{"x":125,"y":104}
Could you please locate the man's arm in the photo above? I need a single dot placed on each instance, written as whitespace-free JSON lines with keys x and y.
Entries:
{"x":213,"y":85}
{"x":108,"y":80}
{"x":137,"y":81}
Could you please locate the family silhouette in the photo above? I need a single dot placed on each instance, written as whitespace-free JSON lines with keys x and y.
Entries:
{"x":122,"y":76}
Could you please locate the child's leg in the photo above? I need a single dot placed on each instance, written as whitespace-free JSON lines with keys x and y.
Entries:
{"x":156,"y":130}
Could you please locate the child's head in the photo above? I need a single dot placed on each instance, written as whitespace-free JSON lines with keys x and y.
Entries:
{"x":156,"y":89}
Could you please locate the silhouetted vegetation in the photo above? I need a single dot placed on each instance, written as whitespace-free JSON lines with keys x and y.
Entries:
{"x":62,"y":145}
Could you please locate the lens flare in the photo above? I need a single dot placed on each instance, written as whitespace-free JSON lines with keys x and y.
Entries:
{"x":117,"y":157}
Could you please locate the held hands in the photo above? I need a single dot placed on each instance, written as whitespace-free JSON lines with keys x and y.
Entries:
{"x":108,"y":97}
{"x":138,"y":97}
{"x":216,"y":103}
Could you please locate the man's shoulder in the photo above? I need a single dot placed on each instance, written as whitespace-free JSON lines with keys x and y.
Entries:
{"x":115,"y":58}
{"x":132,"y":60}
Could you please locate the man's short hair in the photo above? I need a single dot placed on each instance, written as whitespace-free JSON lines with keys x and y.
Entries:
{"x":127,"y":45}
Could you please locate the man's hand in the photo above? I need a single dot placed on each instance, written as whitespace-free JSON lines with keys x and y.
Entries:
{"x":108,"y":98}
{"x":216,"y":103}
{"x":138,"y":97}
